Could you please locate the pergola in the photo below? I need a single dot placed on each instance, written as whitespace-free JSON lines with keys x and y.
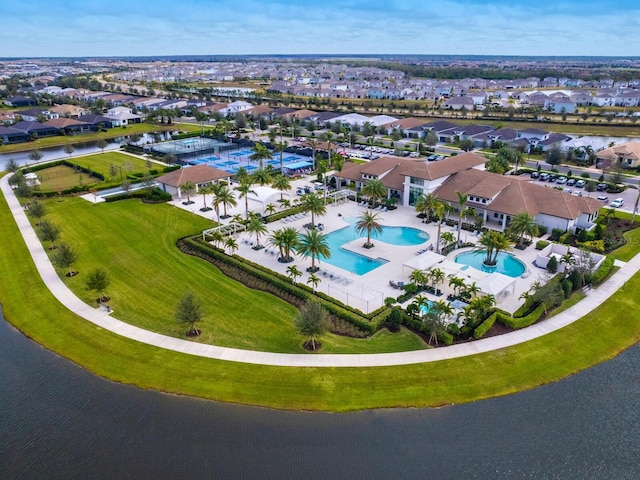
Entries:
{"x":226,"y":230}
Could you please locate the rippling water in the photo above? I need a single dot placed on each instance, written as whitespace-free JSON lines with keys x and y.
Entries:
{"x":59,"y":422}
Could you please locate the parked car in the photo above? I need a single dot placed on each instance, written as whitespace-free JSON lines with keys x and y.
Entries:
{"x":601,"y":187}
{"x":561,"y":180}
{"x":580,"y":183}
{"x":603,"y":198}
{"x":535,"y":174}
{"x":432,"y":158}
{"x":571,"y":182}
{"x":576,"y":193}
{"x":617,"y":203}
{"x":544,"y":177}
{"x":552,"y":178}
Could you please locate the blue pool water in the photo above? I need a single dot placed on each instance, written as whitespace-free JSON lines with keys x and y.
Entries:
{"x":507,"y":264}
{"x":360,"y":264}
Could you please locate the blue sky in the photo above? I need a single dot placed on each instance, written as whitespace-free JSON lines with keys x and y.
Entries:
{"x":180,"y":27}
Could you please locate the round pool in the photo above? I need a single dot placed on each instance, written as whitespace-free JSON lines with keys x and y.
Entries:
{"x":507,"y":263}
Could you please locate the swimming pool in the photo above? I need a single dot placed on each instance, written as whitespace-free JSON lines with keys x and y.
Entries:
{"x":361,"y":264}
{"x":507,"y":263}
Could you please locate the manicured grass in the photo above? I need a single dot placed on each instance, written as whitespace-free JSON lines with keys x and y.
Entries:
{"x":567,"y":304}
{"x":101,"y":163}
{"x":60,"y":140}
{"x":31,"y":308}
{"x":62,"y":177}
{"x":136,"y":243}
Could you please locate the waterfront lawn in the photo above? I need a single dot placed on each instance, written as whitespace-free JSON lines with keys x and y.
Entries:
{"x":135,"y":242}
{"x":29,"y":305}
{"x":60,"y":140}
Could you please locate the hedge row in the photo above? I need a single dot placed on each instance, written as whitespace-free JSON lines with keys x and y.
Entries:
{"x":156,"y":195}
{"x":180,"y":136}
{"x":66,"y":163}
{"x":603,"y":270}
{"x":485,"y":326}
{"x":521,"y":322}
{"x":276,"y":284}
{"x":280,"y":215}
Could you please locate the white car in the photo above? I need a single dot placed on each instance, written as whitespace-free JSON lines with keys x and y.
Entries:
{"x":617,"y":203}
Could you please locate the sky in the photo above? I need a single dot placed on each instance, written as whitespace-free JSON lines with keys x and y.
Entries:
{"x":69,"y":28}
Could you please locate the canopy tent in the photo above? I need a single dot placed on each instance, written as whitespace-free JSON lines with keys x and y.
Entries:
{"x":423,"y":261}
{"x":266,"y":195}
{"x":497,"y":283}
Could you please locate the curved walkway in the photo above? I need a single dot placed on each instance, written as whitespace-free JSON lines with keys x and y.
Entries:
{"x":103,"y":320}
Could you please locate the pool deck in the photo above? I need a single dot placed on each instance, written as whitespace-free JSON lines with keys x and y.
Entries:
{"x":365,"y":292}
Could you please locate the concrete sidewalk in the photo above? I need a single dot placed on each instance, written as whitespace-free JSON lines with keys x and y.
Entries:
{"x":102,"y":319}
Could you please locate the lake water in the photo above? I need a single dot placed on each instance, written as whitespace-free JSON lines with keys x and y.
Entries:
{"x":58,"y":421}
{"x":80,"y":148}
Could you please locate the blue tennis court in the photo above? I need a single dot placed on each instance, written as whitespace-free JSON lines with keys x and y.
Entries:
{"x":231,"y":161}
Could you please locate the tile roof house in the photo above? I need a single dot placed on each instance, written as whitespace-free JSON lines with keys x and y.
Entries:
{"x":498,"y":198}
{"x":627,"y":155}
{"x":13,"y":135}
{"x":199,"y":175}
{"x":69,"y":125}
{"x":37,"y":129}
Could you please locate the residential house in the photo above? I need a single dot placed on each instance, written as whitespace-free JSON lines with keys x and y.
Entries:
{"x":458,"y":103}
{"x":37,"y":129}
{"x":123,"y":116}
{"x":20,"y":101}
{"x":626,"y":155}
{"x":12,"y":135}
{"x":69,"y":125}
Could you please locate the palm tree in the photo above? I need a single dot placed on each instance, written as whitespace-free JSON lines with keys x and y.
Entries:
{"x":457,"y":283}
{"x":215,"y":189}
{"x":282,"y":183}
{"x":313,"y":244}
{"x":242,"y":175}
{"x":522,"y":224}
{"x":231,"y":244}
{"x":374,"y":189}
{"x":188,"y":188}
{"x":338,"y":165}
{"x":204,"y":191}
{"x":217,"y":238}
{"x":313,"y":143}
{"x":441,"y":210}
{"x":418,"y":278}
{"x":281,"y":146}
{"x":314,"y":281}
{"x":472,"y":289}
{"x":244,"y":189}
{"x":443,"y":309}
{"x":323,"y":168}
{"x":420,"y":301}
{"x":328,"y":137}
{"x":286,"y":240}
{"x":261,"y":154}
{"x":258,"y":227}
{"x":437,"y":276}
{"x":226,"y":198}
{"x":270,"y":208}
{"x":293,"y":272}
{"x":310,"y":202}
{"x":462,"y":201}
{"x":426,"y":204}
{"x":367,"y":222}
{"x":448,"y":238}
{"x":492,"y":243}
{"x":262,"y":176}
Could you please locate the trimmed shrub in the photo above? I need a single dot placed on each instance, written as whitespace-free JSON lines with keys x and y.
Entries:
{"x":567,"y":287}
{"x":603,"y":270}
{"x":541,"y":244}
{"x":564,"y":238}
{"x":521,"y":322}
{"x":542,"y":230}
{"x":445,"y":337}
{"x":583,"y":236}
{"x":552,"y":265}
{"x":596,"y":246}
{"x":555,"y":234}
{"x":482,"y":329}
{"x":598,"y":232}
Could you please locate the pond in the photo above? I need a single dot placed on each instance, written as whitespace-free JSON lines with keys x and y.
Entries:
{"x":61,"y":422}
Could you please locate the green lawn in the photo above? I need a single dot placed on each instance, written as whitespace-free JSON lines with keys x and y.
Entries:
{"x":101,"y":163}
{"x":593,"y":339}
{"x":136,"y":242}
{"x":61,"y":177}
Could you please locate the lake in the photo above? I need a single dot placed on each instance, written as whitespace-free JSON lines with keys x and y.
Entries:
{"x":58,"y":421}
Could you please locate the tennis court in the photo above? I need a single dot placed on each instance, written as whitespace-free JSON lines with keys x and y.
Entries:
{"x":231,"y":161}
